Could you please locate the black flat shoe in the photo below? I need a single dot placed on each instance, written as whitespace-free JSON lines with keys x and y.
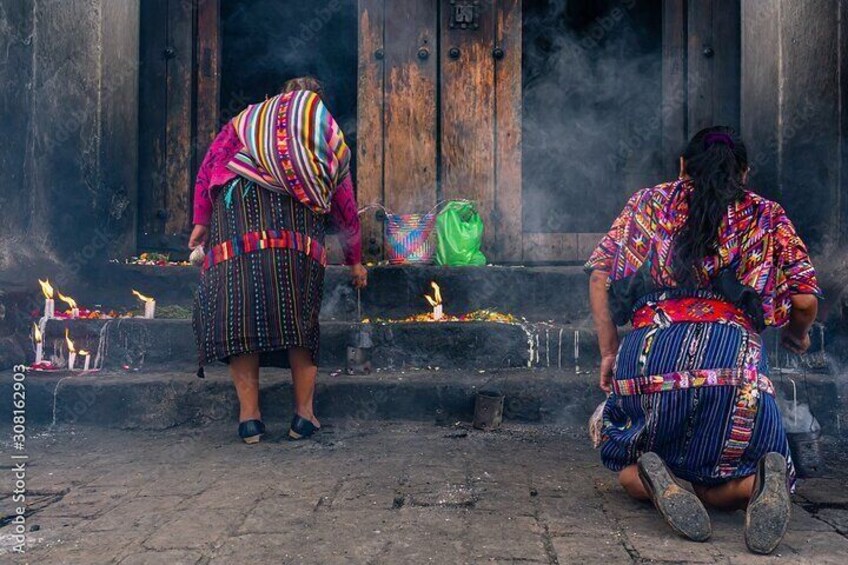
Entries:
{"x":301,"y":428}
{"x":768,"y":511}
{"x":251,"y":431}
{"x":681,"y":509}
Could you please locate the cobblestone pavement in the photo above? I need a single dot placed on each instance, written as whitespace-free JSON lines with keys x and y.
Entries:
{"x":368,"y":492}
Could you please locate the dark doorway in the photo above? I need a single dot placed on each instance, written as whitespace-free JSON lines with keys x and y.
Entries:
{"x":592,"y":121}
{"x":266,"y":42}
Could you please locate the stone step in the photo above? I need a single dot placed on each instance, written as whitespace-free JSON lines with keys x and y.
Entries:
{"x":167,"y":398}
{"x":139,"y":343}
{"x":159,"y":400}
{"x":535,"y":293}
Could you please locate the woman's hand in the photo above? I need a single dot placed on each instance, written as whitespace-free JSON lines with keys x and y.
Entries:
{"x":199,"y":236}
{"x":607,"y":365}
{"x":358,"y":276}
{"x":794,"y":343}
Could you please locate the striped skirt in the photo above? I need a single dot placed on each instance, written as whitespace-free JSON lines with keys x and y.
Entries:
{"x":262,"y":284}
{"x":698,"y":395}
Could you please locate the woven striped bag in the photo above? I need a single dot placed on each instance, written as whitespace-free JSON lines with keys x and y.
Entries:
{"x":410,"y":238}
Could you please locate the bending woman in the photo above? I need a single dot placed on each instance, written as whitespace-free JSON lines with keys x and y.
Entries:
{"x":701,"y":266}
{"x":268,"y":186}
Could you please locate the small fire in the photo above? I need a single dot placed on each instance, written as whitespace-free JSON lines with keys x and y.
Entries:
{"x":436,"y":299}
{"x":68,"y":300}
{"x":83,"y":352}
{"x":36,"y":333}
{"x":71,"y":348}
{"x":141,"y":296}
{"x":46,"y":288}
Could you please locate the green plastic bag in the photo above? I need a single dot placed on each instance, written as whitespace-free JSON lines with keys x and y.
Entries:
{"x":460,"y":235}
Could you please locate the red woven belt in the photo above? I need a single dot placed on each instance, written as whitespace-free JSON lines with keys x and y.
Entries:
{"x":267,"y":239}
{"x":676,"y":310}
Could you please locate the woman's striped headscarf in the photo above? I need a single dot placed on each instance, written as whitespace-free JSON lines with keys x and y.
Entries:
{"x":292,"y":144}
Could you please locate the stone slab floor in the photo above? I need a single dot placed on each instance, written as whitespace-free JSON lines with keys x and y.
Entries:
{"x":365,"y":492}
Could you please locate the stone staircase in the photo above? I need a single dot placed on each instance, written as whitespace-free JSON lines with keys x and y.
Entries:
{"x":550,"y":303}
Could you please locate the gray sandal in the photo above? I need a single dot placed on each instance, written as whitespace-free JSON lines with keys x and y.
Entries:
{"x":681,"y":509}
{"x":768,"y":511}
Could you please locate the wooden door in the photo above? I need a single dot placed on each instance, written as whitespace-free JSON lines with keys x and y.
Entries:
{"x":178,"y":114}
{"x":439,"y":112}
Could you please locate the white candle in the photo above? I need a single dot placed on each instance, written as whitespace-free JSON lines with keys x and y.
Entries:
{"x":72,"y":359}
{"x":74,"y":313}
{"x":438,"y":312}
{"x":149,"y":309}
{"x":87,"y":362}
{"x":49,"y":307}
{"x":39,"y":352}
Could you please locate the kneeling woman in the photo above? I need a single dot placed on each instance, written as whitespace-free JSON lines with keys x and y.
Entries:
{"x":700,"y":266}
{"x":272,"y":180}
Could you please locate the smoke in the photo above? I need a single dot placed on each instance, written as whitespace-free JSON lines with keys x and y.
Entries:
{"x":592,"y":110}
{"x":266,"y":42}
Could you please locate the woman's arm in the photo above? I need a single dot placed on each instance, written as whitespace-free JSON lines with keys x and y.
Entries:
{"x":794,"y":336}
{"x":212,"y":172}
{"x":607,"y":332}
{"x":344,"y":216}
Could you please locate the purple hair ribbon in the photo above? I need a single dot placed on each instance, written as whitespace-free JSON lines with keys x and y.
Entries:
{"x":718,"y":137}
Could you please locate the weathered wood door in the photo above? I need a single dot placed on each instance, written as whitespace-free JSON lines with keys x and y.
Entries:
{"x":439,"y":113}
{"x":178,"y":114}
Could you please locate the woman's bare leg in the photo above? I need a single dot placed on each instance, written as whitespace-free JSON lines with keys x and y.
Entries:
{"x":304,"y":373}
{"x":245,"y":372}
{"x":629,"y":479}
{"x":732,"y":495}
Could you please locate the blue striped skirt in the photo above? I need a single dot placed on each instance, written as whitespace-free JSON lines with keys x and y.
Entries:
{"x":698,"y":395}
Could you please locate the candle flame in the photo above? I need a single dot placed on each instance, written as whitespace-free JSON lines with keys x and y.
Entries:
{"x":36,"y":333}
{"x":437,"y":292}
{"x":83,"y":352}
{"x":46,"y":288}
{"x":71,"y":348}
{"x":68,"y":300}
{"x":142,"y":297}
{"x":436,"y":299}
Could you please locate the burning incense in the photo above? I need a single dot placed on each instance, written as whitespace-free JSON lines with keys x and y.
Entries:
{"x":149,"y":305}
{"x":49,"y":304}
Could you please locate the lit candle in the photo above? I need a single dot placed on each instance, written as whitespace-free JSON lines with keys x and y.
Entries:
{"x":150,"y":309}
{"x":72,"y":304}
{"x":438,"y":312}
{"x":436,"y":301}
{"x":72,"y":352}
{"x":86,"y":356}
{"x":49,"y":304}
{"x":149,"y":305}
{"x":39,"y":345}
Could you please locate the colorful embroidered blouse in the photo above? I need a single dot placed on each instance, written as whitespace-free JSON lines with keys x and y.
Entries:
{"x":214,"y":174}
{"x":756,"y":238}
